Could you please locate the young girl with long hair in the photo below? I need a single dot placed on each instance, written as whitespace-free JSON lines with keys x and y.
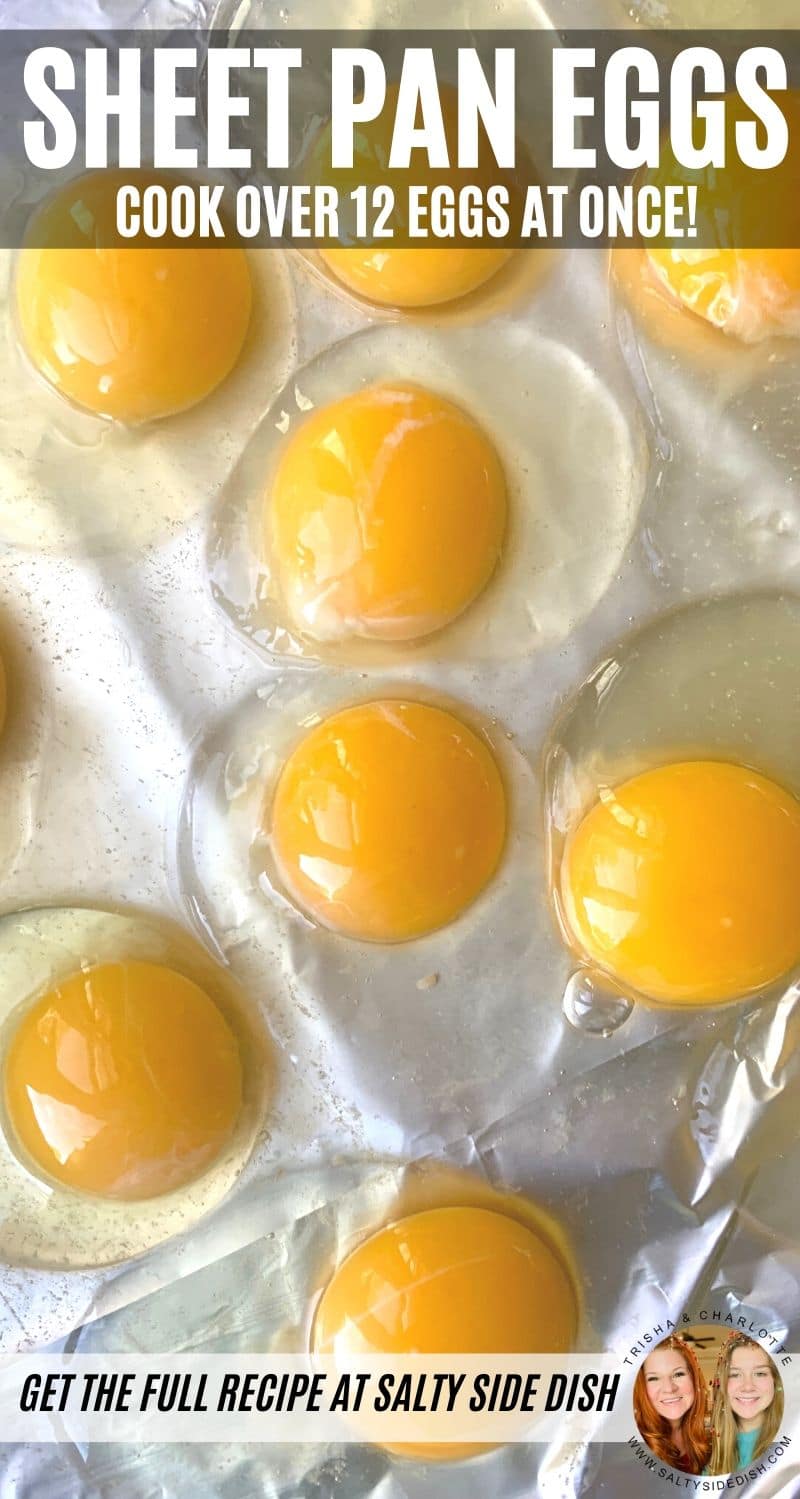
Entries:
{"x":748,"y":1405}
{"x":670,"y":1403}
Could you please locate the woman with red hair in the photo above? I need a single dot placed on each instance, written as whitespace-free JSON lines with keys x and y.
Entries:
{"x":670,"y":1403}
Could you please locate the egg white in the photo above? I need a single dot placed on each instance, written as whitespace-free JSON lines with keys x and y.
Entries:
{"x":25,"y":724}
{"x":350,"y":1011}
{"x":718,"y":680}
{"x":574,"y":467}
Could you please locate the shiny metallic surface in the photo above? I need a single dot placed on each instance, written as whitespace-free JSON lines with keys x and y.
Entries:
{"x":143,"y":731}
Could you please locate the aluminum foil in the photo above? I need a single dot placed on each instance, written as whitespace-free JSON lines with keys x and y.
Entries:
{"x":664,"y":1142}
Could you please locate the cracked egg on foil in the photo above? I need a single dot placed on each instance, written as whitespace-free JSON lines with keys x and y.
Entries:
{"x":741,"y":275}
{"x":130,"y":377}
{"x":467,"y":492}
{"x":134,"y":1085}
{"x":673,"y":809}
{"x":361,"y":848}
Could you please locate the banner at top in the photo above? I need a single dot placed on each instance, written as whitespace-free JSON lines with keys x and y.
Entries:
{"x":476,"y":139}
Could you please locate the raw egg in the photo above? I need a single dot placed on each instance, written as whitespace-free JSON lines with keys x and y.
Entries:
{"x":413,"y":277}
{"x":450,"y":1280}
{"x":129,"y":332}
{"x":124,"y":1080}
{"x":426,"y":493}
{"x":386,"y":516}
{"x":730,"y":278}
{"x":673,"y":805}
{"x":135,"y":1079}
{"x":397,"y":276}
{"x":388,"y":820}
{"x":325,"y":807}
{"x":130,"y":376}
{"x":684,"y":882}
{"x":750,"y":293}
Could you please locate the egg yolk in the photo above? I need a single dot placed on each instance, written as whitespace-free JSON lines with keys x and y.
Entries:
{"x":124,"y":1081}
{"x":751,"y":294}
{"x":450,"y":1280}
{"x":414,"y":277}
{"x":387,"y":515}
{"x":388,"y":820}
{"x":684,"y":882}
{"x":732,"y":280}
{"x":129,"y":332}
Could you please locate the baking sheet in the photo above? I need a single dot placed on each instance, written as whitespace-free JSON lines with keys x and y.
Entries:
{"x":664,"y":1147}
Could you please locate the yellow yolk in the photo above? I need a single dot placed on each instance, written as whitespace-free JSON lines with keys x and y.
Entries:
{"x":450,"y":1280}
{"x":133,"y":333}
{"x":684,"y":882}
{"x":730,"y":280}
{"x":414,"y":277}
{"x":752,"y":293}
{"x":124,"y":1081}
{"x":388,"y":820}
{"x":387,"y":515}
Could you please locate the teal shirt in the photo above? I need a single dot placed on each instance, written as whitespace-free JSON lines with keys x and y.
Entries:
{"x":746,"y":1445}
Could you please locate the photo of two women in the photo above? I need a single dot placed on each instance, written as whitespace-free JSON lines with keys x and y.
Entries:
{"x":708,"y":1401}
